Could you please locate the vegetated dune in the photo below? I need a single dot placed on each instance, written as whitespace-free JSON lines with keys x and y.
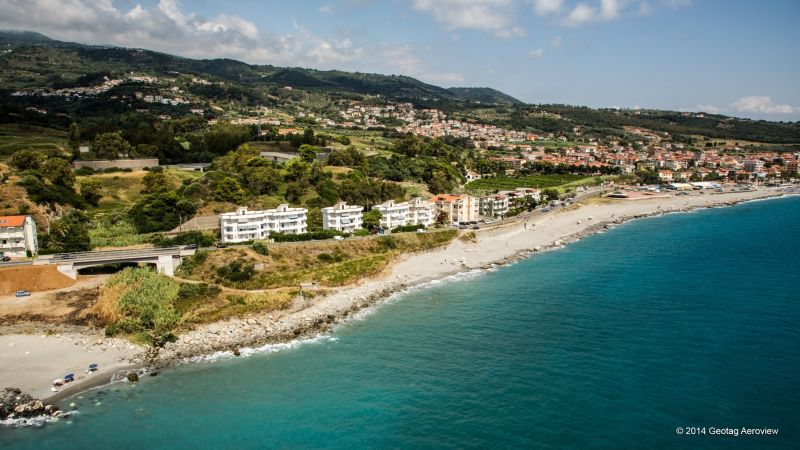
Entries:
{"x":32,"y":278}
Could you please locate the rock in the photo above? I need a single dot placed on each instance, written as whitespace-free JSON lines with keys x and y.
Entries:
{"x":133,"y":377}
{"x":153,"y":374}
{"x":236,"y":352}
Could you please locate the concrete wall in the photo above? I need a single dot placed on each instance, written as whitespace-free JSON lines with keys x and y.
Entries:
{"x":101,"y":164}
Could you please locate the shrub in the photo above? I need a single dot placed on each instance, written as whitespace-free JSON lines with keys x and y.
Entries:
{"x":139,"y":300}
{"x":407,"y":228}
{"x":326,"y":257}
{"x":189,"y":264}
{"x":237,"y":271}
{"x":84,"y":171}
{"x":260,"y":248}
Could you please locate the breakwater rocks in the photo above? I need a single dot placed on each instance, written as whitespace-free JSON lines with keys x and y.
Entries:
{"x":234,"y":335}
{"x":18,"y":408}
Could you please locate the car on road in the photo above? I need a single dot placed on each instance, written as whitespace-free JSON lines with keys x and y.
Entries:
{"x":22,"y":293}
{"x":5,"y":259}
{"x":191,"y":247}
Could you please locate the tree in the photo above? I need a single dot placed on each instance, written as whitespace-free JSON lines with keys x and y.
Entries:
{"x":111,"y":145}
{"x":70,"y":233}
{"x":160,"y":212}
{"x":91,"y":191}
{"x":74,"y":136}
{"x":155,"y":181}
{"x":297,"y":170}
{"x":439,"y":183}
{"x":372,"y":219}
{"x":442,"y":218}
{"x":229,"y":190}
{"x":308,"y":153}
{"x":294,"y":191}
{"x":27,"y":160}
{"x":58,"y":171}
{"x":262,"y":180}
{"x":550,"y":194}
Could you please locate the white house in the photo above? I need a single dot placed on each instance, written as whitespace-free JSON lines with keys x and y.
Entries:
{"x":18,"y":236}
{"x":420,"y":212}
{"x":342,"y":217}
{"x":460,"y":208}
{"x":245,"y":225}
{"x":495,"y":205}
{"x":393,"y":214}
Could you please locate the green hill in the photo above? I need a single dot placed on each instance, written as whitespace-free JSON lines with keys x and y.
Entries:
{"x":484,"y":95}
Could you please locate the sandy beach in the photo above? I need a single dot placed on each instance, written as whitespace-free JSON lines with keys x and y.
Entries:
{"x":31,"y":360}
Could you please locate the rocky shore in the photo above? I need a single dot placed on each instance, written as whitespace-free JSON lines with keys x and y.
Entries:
{"x":19,"y":408}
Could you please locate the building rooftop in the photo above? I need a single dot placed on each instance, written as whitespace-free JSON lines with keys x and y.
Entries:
{"x":12,"y":221}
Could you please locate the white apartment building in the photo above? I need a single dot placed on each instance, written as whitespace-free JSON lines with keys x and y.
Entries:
{"x":420,"y":212}
{"x":495,"y":205}
{"x":342,"y":217}
{"x":460,"y":208}
{"x":244,"y":225}
{"x":18,"y":236}
{"x":393,"y":214}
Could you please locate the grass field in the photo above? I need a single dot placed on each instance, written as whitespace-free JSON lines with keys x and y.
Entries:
{"x":532,"y":181}
{"x":15,"y":137}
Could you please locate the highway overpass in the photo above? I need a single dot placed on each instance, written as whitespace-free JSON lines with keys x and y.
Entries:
{"x":166,"y":259}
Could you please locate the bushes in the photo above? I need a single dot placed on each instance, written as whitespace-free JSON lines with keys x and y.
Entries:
{"x":260,"y":248}
{"x":314,"y":235}
{"x":328,"y":258}
{"x":407,"y":228}
{"x":237,"y":271}
{"x":190,"y":237}
{"x":139,"y":300}
{"x":189,"y":264}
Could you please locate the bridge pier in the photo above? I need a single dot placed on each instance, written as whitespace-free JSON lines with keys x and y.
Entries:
{"x":166,"y":265}
{"x":68,"y":270}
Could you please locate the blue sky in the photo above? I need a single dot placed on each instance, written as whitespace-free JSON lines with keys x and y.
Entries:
{"x":734,"y":57}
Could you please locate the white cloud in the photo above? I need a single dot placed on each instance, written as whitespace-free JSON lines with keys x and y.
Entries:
{"x":545,"y":7}
{"x":168,"y":27}
{"x":709,"y":109}
{"x":326,"y":9}
{"x":761,"y":105}
{"x":404,"y":60}
{"x":581,"y":14}
{"x":556,"y":41}
{"x":535,"y":53}
{"x":491,"y":16}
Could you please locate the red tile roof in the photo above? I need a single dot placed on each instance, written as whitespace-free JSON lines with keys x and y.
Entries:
{"x":12,"y":221}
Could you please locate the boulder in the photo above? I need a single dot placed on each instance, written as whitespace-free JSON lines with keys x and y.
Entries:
{"x":133,"y":377}
{"x":236,"y":352}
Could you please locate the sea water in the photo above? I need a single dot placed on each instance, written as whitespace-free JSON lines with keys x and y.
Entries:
{"x":660,"y":333}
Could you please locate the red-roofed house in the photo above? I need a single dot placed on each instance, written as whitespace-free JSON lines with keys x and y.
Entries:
{"x":17,"y":236}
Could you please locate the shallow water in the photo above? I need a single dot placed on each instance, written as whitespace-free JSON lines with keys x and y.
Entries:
{"x":687,"y":320}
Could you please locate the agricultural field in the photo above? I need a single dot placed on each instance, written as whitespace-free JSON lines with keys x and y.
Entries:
{"x":531,"y":181}
{"x":14,"y":137}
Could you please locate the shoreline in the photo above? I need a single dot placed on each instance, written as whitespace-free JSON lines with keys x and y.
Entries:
{"x":416,"y":270}
{"x":519,"y":237}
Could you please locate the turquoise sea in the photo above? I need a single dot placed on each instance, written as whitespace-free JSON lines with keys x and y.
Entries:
{"x":686,"y":320}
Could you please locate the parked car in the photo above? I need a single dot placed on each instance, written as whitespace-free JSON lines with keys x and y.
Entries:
{"x":22,"y":293}
{"x":191,"y":247}
{"x":221,"y":245}
{"x":5,"y":259}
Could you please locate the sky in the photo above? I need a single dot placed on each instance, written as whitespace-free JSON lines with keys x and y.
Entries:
{"x":734,"y":57}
